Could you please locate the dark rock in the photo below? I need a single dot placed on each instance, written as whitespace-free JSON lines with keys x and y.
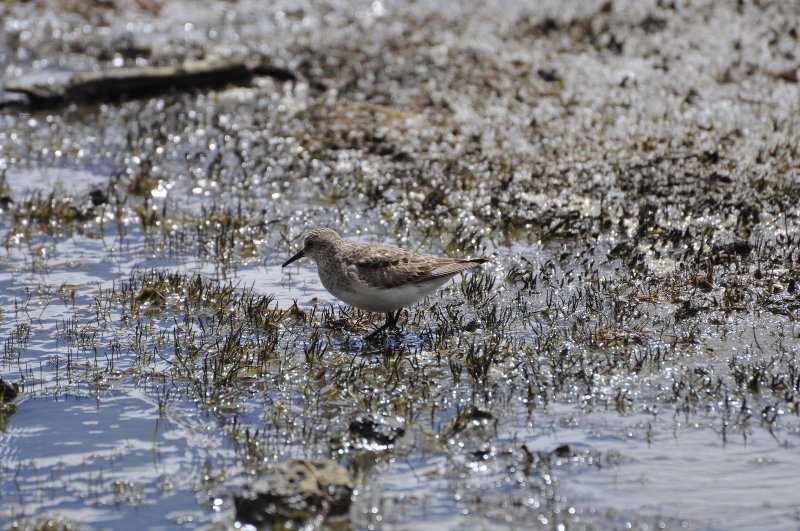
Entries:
{"x":472,"y":326}
{"x":710,"y":156}
{"x":653,"y":23}
{"x":8,"y":391}
{"x":687,"y":310}
{"x":294,"y":493}
{"x":375,"y":429}
{"x":472,"y":417}
{"x":50,"y":523}
{"x":727,"y":251}
{"x":434,"y":198}
{"x":98,"y":197}
{"x":563,"y":451}
{"x":550,"y":75}
{"x":151,"y":295}
{"x":474,"y":413}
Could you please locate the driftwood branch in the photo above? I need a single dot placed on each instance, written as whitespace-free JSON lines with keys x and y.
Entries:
{"x":135,"y":82}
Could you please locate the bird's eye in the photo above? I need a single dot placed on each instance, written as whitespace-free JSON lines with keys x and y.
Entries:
{"x":309,"y":244}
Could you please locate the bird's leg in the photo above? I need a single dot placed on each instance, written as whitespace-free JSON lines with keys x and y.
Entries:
{"x":391,"y":322}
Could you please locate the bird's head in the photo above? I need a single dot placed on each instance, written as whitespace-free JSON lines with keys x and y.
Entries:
{"x":317,"y":243}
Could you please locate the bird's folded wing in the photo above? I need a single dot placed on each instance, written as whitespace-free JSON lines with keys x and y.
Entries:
{"x":395,"y":269}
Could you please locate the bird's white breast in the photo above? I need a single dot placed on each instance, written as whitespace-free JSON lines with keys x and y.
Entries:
{"x":375,"y":299}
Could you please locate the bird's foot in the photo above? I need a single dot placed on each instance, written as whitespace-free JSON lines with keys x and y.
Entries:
{"x":391,"y":322}
{"x":374,"y":335}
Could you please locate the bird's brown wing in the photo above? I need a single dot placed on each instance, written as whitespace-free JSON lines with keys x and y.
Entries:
{"x":390,"y":267}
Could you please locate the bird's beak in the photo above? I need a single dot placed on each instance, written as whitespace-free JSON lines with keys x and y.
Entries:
{"x":298,"y":256}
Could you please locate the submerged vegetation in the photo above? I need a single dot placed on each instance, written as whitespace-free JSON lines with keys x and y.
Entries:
{"x":639,"y":202}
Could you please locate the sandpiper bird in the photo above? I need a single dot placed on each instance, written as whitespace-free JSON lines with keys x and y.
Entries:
{"x":375,"y":277}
